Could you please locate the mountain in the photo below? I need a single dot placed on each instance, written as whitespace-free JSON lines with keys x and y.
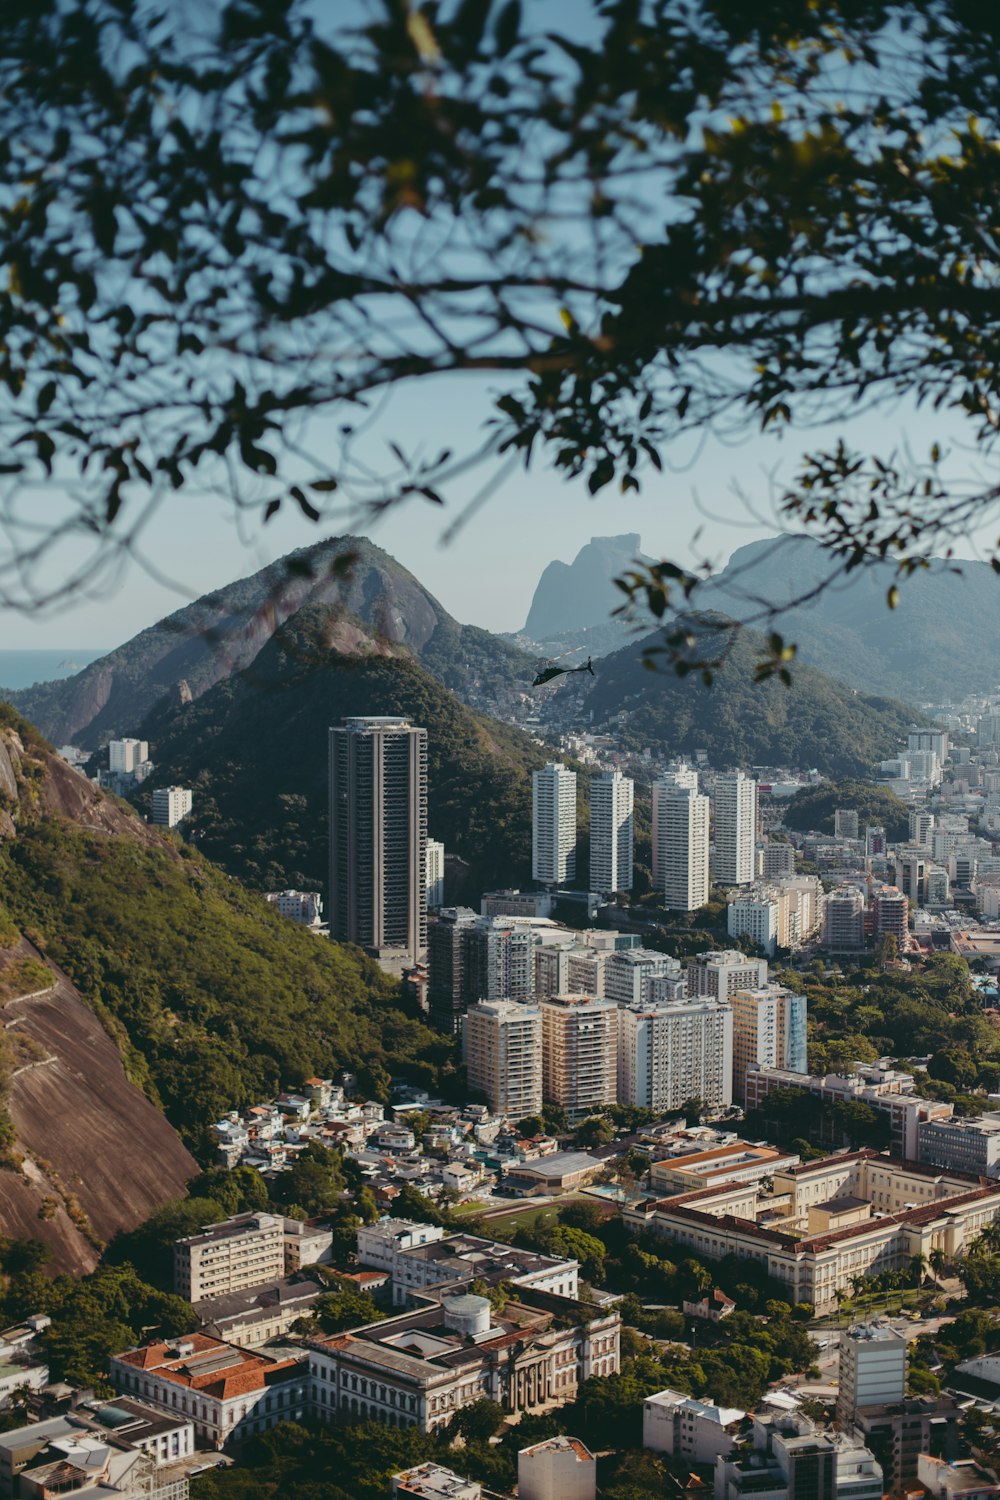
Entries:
{"x":208,"y":999}
{"x":254,"y":749}
{"x":84,"y":1153}
{"x":929,"y":648}
{"x":571,"y":596}
{"x":222,"y":633}
{"x":816,"y":723}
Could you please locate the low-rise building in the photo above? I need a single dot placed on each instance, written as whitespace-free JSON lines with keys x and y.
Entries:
{"x":228,"y":1393}
{"x":431,"y":1481}
{"x":380,"y":1244}
{"x":696,"y":1431}
{"x":418,"y":1369}
{"x":126,"y":1423}
{"x":554,"y":1175}
{"x":738,"y":1162}
{"x":251,"y":1318}
{"x":467,"y":1256}
{"x":891,"y":1092}
{"x":963,"y":1145}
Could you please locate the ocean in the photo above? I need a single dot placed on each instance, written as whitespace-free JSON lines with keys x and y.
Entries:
{"x":21,"y":669}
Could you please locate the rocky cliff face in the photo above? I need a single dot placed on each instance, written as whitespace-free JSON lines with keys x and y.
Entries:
{"x":86,"y":1154}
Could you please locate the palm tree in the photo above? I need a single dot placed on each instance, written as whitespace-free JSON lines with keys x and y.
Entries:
{"x":918,"y":1265}
{"x":938,"y":1261}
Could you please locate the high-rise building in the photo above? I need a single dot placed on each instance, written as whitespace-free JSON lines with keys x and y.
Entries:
{"x":612,"y":832}
{"x":435,"y":873}
{"x":769,"y":1028}
{"x":921,"y":828}
{"x":502,"y":1045}
{"x":171,"y":804}
{"x":845,"y":823}
{"x":938,"y":887}
{"x":754,"y":915}
{"x":669,"y":1054}
{"x":911,"y":866}
{"x":875,"y":840}
{"x":447,"y":995}
{"x":735,"y":804}
{"x":780,"y":914}
{"x":378,"y":837}
{"x":892,"y":914}
{"x":677,"y":774}
{"x":553,"y":824}
{"x":720,"y":974}
{"x":579,"y":1053}
{"x":472,"y":958}
{"x":126,"y":756}
{"x":929,"y":739}
{"x":872,"y":1370}
{"x":680,"y":844}
{"x":844,"y":920}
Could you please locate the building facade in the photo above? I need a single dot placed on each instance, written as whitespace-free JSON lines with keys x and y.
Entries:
{"x":769,"y":1030}
{"x":612,"y":832}
{"x":579,"y":1053}
{"x":503,"y":1050}
{"x":671,"y":1054}
{"x":378,"y":838}
{"x":680,"y":845}
{"x":553,"y":824}
{"x":237,"y":1253}
{"x":735,"y":806}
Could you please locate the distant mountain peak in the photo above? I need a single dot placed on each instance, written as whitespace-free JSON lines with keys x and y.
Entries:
{"x":571,"y":596}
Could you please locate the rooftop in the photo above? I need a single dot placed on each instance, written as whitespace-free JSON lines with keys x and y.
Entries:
{"x":205,"y":1364}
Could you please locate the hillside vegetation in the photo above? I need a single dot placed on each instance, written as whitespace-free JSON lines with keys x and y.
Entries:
{"x":816,"y":722}
{"x":214,"y":999}
{"x":814,"y":808}
{"x":254,"y":749}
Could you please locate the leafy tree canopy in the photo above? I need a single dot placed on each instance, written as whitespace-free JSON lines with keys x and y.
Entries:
{"x":666,"y":217}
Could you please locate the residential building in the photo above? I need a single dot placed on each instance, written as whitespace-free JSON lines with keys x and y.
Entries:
{"x":891,"y":911}
{"x":769,"y":1030}
{"x":698,"y":1432}
{"x":719,"y":974}
{"x":734,"y":803}
{"x":421,"y":1367}
{"x":447,"y":993}
{"x":553,"y":824}
{"x":431,"y":1481}
{"x":844,"y":920}
{"x":579,"y":1053}
{"x":680,"y":844}
{"x":781,"y":914}
{"x":435,"y":873}
{"x":904,"y":1431}
{"x":875,"y":840}
{"x":936,"y":740}
{"x":171,"y":804}
{"x":871,"y":1369}
{"x":960,"y":1479}
{"x":125,"y":756}
{"x":961,"y":1145}
{"x":911,"y":866}
{"x":938,"y":887}
{"x":921,"y":828}
{"x":304,"y":907}
{"x":776,"y":860}
{"x":754,"y":915}
{"x":671,"y":1054}
{"x":503,"y":1049}
{"x":237,"y":1253}
{"x":517,"y":904}
{"x":845,"y":823}
{"x":560,"y":1468}
{"x":229,"y":1394}
{"x":378,"y":838}
{"x":629,"y":973}
{"x":792,"y":1460}
{"x":612,"y":832}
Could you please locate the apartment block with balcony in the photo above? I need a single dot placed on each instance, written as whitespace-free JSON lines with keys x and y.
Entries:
{"x":237,"y":1253}
{"x":579,"y":1053}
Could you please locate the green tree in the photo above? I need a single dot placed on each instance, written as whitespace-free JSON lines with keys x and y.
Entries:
{"x":479,"y":1421}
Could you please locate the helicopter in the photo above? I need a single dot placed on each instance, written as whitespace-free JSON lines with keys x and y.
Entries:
{"x":548,"y":673}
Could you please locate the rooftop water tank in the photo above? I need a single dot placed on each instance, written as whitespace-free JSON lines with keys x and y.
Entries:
{"x":468,"y":1315}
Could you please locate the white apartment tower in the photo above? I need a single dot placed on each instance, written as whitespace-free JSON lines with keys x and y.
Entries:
{"x":553,"y":824}
{"x":435,"y":872}
{"x":668,"y":1054}
{"x":579,"y":1053}
{"x":126,"y":756}
{"x":171,"y":804}
{"x":680,"y":842}
{"x":719,"y":974}
{"x":612,"y":832}
{"x":378,"y":837}
{"x":502,"y":1045}
{"x":735,"y":828}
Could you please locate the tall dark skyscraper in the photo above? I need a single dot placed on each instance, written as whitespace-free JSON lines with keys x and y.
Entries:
{"x":378,"y":838}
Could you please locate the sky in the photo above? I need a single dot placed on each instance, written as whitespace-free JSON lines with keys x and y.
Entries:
{"x":487,"y":573}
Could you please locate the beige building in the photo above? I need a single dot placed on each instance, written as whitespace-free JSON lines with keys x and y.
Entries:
{"x":240,"y":1252}
{"x":811,"y":1232}
{"x":561,"y":1468}
{"x":502,"y":1045}
{"x":769,"y":1030}
{"x":420,"y":1368}
{"x":579,"y":1053}
{"x":738,"y":1162}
